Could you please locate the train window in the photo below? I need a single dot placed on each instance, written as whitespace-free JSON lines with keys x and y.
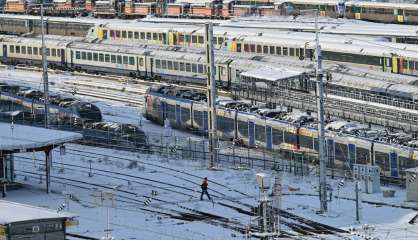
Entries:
{"x":23,"y":50}
{"x":112,"y":33}
{"x":136,"y":35}
{"x":188,"y":67}
{"x":148,"y":36}
{"x":279,"y":50}
{"x":187,"y":38}
{"x":181,"y":65}
{"x":58,"y":53}
{"x":35,"y":51}
{"x":272,"y":50}
{"x":194,"y":39}
{"x":130,"y":35}
{"x":176,"y":66}
{"x":107,"y":58}
{"x":142,"y":35}
{"x":11,"y":49}
{"x":246,"y":48}
{"x":89,"y":56}
{"x":125,"y":59}
{"x":48,"y":52}
{"x":260,"y":132}
{"x":285,"y":51}
{"x":163,"y":64}
{"x":292,"y":52}
{"x":160,"y":36}
{"x":83,"y":55}
{"x":411,"y":65}
{"x":119,"y":59}
{"x":113,"y":58}
{"x":157,"y":63}
{"x":101,"y":57}
{"x":277,"y":136}
{"x":17,"y":49}
{"x":181,"y":38}
{"x":200,"y":68}
{"x":220,"y":40}
{"x":123,"y":34}
{"x":252,"y":48}
{"x":265,"y":49}
{"x":117,"y":34}
{"x":200,"y":39}
{"x":95,"y":57}
{"x":54,"y":52}
{"x":30,"y":50}
{"x":141,"y":62}
{"x":259,"y":48}
{"x":170,"y":65}
{"x":194,"y":67}
{"x":154,"y":36}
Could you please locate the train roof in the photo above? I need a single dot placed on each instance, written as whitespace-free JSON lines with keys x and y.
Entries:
{"x":390,"y":5}
{"x":310,"y":2}
{"x":374,"y":85}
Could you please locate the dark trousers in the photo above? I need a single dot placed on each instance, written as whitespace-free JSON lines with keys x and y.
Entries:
{"x":203,"y":192}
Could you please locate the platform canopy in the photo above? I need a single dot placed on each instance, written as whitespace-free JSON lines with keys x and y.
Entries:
{"x":21,"y":138}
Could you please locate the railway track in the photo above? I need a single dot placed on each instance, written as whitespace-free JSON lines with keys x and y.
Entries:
{"x":304,"y":227}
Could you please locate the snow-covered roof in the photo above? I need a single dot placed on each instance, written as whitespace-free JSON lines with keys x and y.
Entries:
{"x":412,"y":170}
{"x":22,"y":137}
{"x":271,"y":74}
{"x":12,"y":212}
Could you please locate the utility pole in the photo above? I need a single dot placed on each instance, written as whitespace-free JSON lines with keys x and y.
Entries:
{"x":211,"y":96}
{"x":321,"y":128}
{"x":44,"y":69}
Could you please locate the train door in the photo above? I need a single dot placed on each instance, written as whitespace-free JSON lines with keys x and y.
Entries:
{"x":178,"y":115}
{"x":399,"y":15}
{"x":71,"y":58}
{"x":162,"y":111}
{"x":393,"y":159}
{"x":351,"y":154}
{"x":205,"y":121}
{"x":331,"y":153}
{"x":269,"y":138}
{"x":251,"y":133}
{"x":4,"y":52}
{"x":63,"y":62}
{"x":395,"y":64}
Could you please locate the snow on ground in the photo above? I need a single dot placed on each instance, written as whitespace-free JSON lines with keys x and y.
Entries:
{"x":177,"y":184}
{"x":178,"y":191}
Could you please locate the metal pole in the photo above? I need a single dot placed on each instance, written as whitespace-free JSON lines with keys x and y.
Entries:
{"x":44,"y":69}
{"x":357,"y":202}
{"x":211,"y":96}
{"x":321,"y":130}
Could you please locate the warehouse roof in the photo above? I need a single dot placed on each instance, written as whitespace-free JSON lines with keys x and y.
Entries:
{"x":12,"y":212}
{"x":20,"y":138}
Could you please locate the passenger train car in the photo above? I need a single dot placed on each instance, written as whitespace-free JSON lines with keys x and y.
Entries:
{"x":176,"y":65}
{"x":272,"y":134}
{"x":388,"y":57}
{"x":386,"y":12}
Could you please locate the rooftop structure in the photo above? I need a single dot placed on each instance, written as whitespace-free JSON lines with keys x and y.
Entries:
{"x":20,"y":138}
{"x":20,"y":221}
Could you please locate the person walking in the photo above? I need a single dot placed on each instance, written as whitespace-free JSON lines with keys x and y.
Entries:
{"x":204,"y":188}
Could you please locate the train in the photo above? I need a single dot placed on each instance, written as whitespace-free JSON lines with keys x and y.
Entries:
{"x":363,"y":10}
{"x":26,"y":106}
{"x":244,"y":126}
{"x":391,"y":102}
{"x":368,"y":52}
{"x":388,"y":57}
